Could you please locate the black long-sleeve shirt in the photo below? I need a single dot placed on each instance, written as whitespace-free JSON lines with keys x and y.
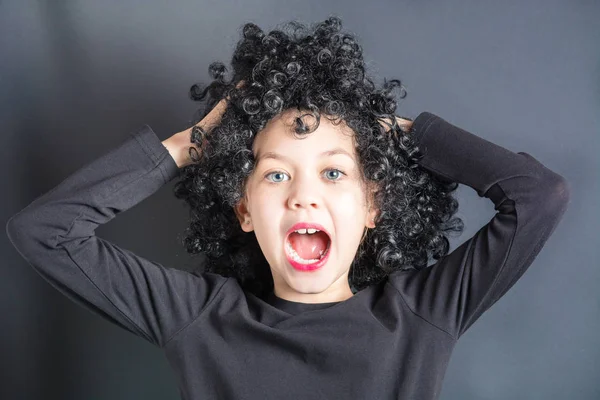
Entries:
{"x":392,"y":340}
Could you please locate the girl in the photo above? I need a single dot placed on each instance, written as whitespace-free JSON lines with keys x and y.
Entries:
{"x":318,"y":210}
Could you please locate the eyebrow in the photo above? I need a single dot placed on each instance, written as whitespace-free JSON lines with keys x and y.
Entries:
{"x":326,"y":153}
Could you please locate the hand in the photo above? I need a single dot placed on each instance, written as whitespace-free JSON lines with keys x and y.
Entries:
{"x":213,"y":118}
{"x":405,"y":124}
{"x":180,"y":143}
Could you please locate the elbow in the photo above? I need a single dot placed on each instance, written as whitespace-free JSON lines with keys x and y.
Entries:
{"x":13,"y":225}
{"x":560,"y":190}
{"x":22,"y":229}
{"x":557,"y":195}
{"x":15,"y":229}
{"x":555,"y":187}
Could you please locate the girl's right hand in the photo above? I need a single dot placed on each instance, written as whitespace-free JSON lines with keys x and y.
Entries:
{"x":213,"y":118}
{"x":180,"y":143}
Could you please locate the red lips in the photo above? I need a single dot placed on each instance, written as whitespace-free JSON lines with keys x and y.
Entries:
{"x":307,"y":267}
{"x":307,"y":225}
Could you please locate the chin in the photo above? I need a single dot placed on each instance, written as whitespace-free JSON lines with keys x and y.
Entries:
{"x":302,"y":282}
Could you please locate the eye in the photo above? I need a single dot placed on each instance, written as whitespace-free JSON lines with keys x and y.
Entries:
{"x":337,"y":173}
{"x":278,"y":174}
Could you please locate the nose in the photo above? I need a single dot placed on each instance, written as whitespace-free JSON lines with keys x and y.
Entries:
{"x":304,"y":193}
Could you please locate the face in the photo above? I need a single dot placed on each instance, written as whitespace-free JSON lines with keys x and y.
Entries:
{"x":294,"y":181}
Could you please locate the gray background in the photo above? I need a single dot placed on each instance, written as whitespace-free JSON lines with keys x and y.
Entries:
{"x":76,"y":77}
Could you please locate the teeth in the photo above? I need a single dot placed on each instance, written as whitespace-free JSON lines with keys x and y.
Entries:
{"x":299,"y":259}
{"x":310,"y":231}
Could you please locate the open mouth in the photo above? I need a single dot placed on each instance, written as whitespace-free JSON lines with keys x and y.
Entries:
{"x":307,"y":247}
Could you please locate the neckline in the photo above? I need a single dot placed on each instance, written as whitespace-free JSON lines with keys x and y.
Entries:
{"x":294,"y":307}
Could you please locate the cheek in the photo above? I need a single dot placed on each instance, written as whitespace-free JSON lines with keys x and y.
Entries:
{"x":266,"y":206}
{"x":348,"y":203}
{"x":261,"y":204}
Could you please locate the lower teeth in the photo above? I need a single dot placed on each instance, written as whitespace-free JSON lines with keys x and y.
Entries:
{"x":299,"y":259}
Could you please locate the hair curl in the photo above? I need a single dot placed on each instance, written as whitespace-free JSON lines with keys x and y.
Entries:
{"x":319,"y":70}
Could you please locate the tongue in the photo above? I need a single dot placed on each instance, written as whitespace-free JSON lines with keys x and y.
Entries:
{"x":309,"y":247}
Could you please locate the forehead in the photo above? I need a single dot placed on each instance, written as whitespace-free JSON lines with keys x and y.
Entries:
{"x":278,"y":136}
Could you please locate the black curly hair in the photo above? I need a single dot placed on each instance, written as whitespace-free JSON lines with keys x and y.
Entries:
{"x":319,"y":70}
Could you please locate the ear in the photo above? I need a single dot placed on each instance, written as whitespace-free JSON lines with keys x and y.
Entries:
{"x":371,"y":218}
{"x":241,"y":211}
{"x":373,"y":211}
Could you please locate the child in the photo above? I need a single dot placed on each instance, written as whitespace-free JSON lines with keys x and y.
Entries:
{"x":318,"y":210}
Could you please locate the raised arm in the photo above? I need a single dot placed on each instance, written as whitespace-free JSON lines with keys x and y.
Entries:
{"x":530,"y":201}
{"x":56,"y":235}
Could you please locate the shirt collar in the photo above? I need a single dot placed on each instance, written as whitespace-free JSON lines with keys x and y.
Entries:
{"x":293,"y":307}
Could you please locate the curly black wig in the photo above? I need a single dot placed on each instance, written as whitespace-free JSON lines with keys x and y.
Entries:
{"x":319,"y":70}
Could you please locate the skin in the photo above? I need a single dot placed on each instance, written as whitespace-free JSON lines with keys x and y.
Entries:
{"x":306,"y":186}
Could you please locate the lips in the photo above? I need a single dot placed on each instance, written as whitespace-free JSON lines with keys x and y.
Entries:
{"x":316,"y":265}
{"x":306,"y":225}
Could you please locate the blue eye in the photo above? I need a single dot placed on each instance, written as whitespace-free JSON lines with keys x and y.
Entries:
{"x":275,"y":173}
{"x":337,"y":172}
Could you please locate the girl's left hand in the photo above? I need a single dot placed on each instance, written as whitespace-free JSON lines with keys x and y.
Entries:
{"x":405,"y":124}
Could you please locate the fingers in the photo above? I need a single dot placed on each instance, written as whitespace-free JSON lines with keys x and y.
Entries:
{"x":404,"y":124}
{"x":239,"y":85}
{"x":214,"y":116}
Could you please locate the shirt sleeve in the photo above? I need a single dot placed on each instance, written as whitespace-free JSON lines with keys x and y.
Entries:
{"x":55,"y":234}
{"x":530,"y":200}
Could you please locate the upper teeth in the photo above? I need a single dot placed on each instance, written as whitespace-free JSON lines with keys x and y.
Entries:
{"x":304,"y":231}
